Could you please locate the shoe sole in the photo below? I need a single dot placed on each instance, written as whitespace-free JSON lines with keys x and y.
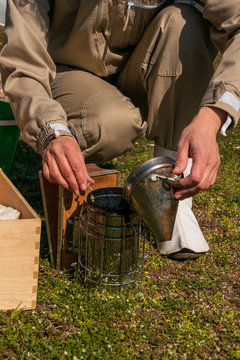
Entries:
{"x":184,"y":256}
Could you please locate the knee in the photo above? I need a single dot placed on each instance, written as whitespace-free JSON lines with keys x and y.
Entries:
{"x":110,"y":127}
{"x":186,"y":28}
{"x":170,"y":18}
{"x":183,"y":43}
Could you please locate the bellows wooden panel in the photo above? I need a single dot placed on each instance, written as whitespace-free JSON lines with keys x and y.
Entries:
{"x":62,"y":207}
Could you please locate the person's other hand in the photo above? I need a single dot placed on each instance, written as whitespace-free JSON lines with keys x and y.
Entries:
{"x":198,"y":141}
{"x":63,"y":164}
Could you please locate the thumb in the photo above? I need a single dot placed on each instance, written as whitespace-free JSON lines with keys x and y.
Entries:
{"x":181,"y":161}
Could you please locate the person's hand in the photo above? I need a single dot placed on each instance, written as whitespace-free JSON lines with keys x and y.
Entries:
{"x":198,"y":141}
{"x":63,"y":164}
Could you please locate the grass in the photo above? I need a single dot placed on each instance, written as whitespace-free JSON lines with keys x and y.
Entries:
{"x":182,"y":310}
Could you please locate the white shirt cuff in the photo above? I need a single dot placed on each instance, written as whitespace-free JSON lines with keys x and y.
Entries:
{"x":231,"y":100}
{"x":56,"y":127}
{"x":226,"y":125}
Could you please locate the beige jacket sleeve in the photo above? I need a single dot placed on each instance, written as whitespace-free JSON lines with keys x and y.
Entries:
{"x":224,"y":89}
{"x":27,"y":71}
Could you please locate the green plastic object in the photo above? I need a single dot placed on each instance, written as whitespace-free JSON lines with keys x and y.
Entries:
{"x":9,"y":135}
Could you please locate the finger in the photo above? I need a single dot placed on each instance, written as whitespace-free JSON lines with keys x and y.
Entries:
{"x":70,"y":161}
{"x":199,"y":171}
{"x":191,"y":188}
{"x":204,"y":172}
{"x":182,"y":158}
{"x":79,"y":170}
{"x":210,"y":180}
{"x":45,"y":170}
{"x":70,"y":176}
{"x":64,"y":167}
{"x":53,"y":174}
{"x":186,"y":193}
{"x":85,"y":171}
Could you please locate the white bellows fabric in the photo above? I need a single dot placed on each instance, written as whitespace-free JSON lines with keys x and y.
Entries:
{"x":186,"y":233}
{"x":8,"y":213}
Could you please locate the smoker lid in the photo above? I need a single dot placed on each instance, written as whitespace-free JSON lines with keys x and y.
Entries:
{"x":145,"y":169}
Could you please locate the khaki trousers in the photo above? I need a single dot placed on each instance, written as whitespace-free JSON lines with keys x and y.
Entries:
{"x":158,"y":91}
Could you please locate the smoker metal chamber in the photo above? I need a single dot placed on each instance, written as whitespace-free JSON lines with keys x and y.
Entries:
{"x":112,"y":239}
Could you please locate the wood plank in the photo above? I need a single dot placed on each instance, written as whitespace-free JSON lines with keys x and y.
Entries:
{"x":19,"y":261}
{"x":50,"y":194}
{"x":10,"y":196}
{"x":19,"y":251}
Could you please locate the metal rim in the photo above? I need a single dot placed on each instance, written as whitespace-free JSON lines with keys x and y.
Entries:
{"x":109,"y":200}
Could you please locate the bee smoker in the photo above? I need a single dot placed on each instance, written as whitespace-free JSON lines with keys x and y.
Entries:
{"x":112,"y":242}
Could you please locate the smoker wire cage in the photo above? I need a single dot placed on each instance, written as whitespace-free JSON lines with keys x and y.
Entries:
{"x":112,"y":241}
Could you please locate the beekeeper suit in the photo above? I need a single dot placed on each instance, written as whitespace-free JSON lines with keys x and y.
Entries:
{"x":86,"y":78}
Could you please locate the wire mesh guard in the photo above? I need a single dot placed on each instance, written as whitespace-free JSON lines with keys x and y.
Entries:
{"x":112,"y":246}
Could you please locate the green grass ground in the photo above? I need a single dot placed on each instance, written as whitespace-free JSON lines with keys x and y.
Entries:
{"x":182,"y":310}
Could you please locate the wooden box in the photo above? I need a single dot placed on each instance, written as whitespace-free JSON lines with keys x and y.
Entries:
{"x":62,"y":207}
{"x":19,"y":251}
